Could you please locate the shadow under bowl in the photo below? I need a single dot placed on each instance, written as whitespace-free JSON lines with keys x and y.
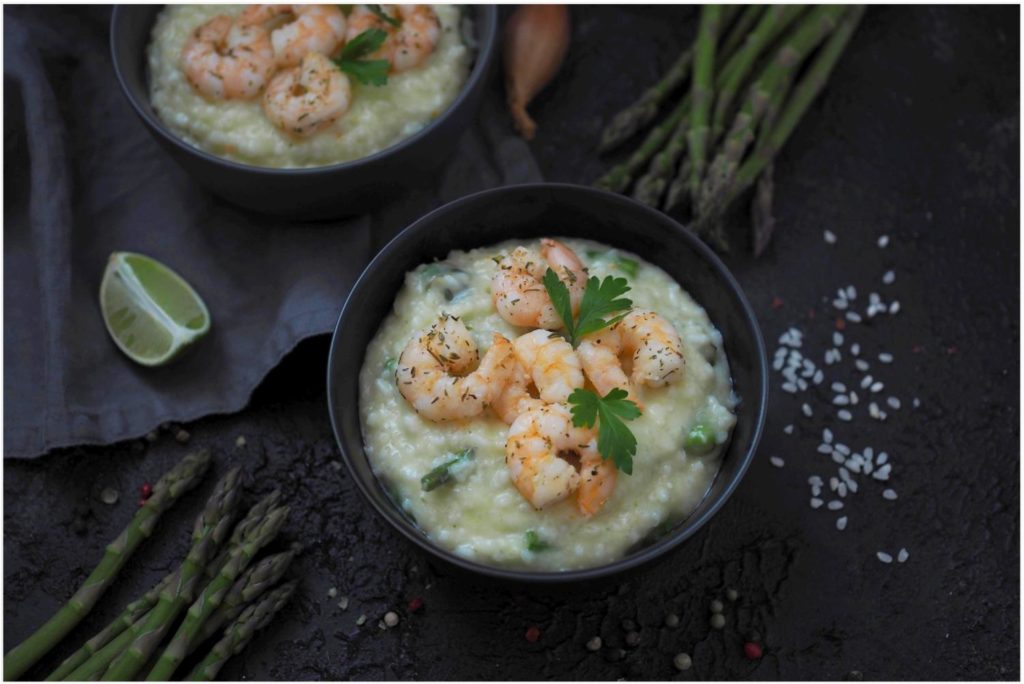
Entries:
{"x":320,"y":192}
{"x":533,"y":211}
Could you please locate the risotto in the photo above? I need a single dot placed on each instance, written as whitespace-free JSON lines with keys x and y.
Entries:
{"x":378,"y":117}
{"x":451,"y":477}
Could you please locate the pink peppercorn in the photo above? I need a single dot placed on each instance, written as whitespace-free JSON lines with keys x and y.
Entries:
{"x":533,"y":634}
{"x":752,"y":650}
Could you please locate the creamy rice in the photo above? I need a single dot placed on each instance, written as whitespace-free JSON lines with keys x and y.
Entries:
{"x":481,"y":515}
{"x":238,"y":130}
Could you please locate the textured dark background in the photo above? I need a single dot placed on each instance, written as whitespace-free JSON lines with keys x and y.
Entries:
{"x":917,"y":137}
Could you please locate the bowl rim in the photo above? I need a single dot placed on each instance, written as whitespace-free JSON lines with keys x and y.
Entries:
{"x":481,"y":64}
{"x":641,"y":557}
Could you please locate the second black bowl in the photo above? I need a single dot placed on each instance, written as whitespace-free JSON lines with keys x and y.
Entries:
{"x":317,"y":192}
{"x":532,"y":211}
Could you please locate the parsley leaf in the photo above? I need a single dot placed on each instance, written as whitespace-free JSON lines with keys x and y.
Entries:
{"x":559,"y":294}
{"x":600,"y":299}
{"x":363,"y":44}
{"x":614,"y":439}
{"x":366,"y":71}
{"x":383,"y":16}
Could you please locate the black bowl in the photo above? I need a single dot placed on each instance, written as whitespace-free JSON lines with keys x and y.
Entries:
{"x":531,"y":211}
{"x":317,"y":192}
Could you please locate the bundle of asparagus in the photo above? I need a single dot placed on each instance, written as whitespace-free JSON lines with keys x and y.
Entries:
{"x":749,"y":88}
{"x":215,"y":560}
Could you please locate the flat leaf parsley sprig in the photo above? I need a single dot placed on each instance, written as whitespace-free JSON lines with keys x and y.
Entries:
{"x":602,"y":301}
{"x":366,"y":71}
{"x":614,"y":439}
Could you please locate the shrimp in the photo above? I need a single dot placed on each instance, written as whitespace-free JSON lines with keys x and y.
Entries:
{"x":306,"y":99}
{"x":434,"y":371}
{"x":407,"y":45}
{"x":539,"y":453}
{"x":544,"y":361}
{"x":652,"y":343}
{"x":224,"y":60}
{"x":518,"y":290}
{"x":552,"y":363}
{"x":515,"y":398}
{"x":298,"y":29}
{"x":597,"y":482}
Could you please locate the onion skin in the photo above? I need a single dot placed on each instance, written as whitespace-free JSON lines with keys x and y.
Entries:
{"x":535,"y":43}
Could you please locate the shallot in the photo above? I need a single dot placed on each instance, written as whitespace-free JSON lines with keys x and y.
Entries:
{"x":536,"y":40}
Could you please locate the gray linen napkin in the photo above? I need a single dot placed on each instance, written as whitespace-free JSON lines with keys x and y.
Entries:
{"x":83,"y":178}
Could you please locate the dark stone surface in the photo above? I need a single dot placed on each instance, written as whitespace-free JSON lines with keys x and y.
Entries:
{"x":917,"y":137}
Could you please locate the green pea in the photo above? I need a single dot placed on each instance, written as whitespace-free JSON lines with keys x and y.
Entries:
{"x":700,"y":439}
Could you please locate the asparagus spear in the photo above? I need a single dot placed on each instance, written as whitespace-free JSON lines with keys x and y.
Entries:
{"x":702,"y":93}
{"x":774,"y":20}
{"x":135,"y":610}
{"x":618,"y":178}
{"x":804,"y":93}
{"x":762,"y":219}
{"x":738,"y":31}
{"x":243,"y":529}
{"x":643,"y":111}
{"x":798,"y":44}
{"x":238,"y":635}
{"x":637,"y":115}
{"x":256,"y":580}
{"x":678,"y":197}
{"x":208,"y":601}
{"x":211,"y":529}
{"x":651,"y":186}
{"x":171,"y":486}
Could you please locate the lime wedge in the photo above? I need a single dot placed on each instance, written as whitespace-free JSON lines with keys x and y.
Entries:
{"x":150,"y":311}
